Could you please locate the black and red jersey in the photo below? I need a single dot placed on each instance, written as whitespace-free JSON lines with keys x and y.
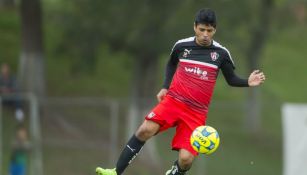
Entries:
{"x":192,"y":72}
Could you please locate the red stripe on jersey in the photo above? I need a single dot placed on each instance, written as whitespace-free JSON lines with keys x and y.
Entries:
{"x":193,"y":83}
{"x":199,"y":63}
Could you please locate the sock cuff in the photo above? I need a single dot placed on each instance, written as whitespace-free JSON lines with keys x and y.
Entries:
{"x":179,"y":168}
{"x":136,"y":140}
{"x":135,"y":143}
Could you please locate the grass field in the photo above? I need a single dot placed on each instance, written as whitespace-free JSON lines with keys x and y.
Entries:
{"x":75,"y":141}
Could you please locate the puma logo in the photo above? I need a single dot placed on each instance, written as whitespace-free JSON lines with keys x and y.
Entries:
{"x":186,"y":52}
{"x":131,"y":148}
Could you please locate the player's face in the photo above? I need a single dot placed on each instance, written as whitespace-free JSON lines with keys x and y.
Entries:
{"x":204,"y":34}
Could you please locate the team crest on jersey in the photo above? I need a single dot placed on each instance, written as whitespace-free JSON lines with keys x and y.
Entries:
{"x":151,"y":115}
{"x":186,"y":52}
{"x":214,"y":56}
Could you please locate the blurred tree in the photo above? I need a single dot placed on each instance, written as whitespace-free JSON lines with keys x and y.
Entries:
{"x":153,"y":28}
{"x":300,"y":12}
{"x":32,"y":67}
{"x":259,"y":33}
{"x":137,"y":32}
{"x":7,"y":3}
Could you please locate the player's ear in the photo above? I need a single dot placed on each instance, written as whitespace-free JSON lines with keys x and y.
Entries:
{"x":195,"y":25}
{"x":214,"y":31}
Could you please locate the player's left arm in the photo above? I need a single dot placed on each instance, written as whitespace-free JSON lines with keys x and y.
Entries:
{"x":256,"y":77}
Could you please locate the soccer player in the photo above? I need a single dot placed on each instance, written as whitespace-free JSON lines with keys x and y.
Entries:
{"x":191,"y":74}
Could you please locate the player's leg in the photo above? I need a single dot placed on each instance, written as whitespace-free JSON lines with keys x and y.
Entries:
{"x":132,"y":148}
{"x":159,"y":119}
{"x":183,"y":164}
{"x":185,"y":160}
{"x":135,"y":144}
{"x":181,"y":142}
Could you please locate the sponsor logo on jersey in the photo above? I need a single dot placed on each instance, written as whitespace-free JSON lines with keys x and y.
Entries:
{"x":186,"y":52}
{"x":214,"y":56}
{"x":196,"y":70}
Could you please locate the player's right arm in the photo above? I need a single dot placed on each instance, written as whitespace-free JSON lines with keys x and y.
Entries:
{"x":171,"y":67}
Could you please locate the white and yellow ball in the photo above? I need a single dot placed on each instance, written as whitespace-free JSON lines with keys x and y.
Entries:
{"x":205,"y":139}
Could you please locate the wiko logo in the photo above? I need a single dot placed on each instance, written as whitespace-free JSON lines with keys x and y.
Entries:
{"x":196,"y":70}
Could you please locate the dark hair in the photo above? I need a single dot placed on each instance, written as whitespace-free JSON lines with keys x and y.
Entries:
{"x":206,"y":16}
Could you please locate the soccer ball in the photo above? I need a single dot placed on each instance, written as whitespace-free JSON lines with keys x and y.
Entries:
{"x":205,"y":139}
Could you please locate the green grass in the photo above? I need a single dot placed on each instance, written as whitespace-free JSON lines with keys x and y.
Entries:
{"x":284,"y":62}
{"x":69,"y":151}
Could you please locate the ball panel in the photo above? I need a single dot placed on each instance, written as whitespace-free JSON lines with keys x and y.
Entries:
{"x":205,"y":139}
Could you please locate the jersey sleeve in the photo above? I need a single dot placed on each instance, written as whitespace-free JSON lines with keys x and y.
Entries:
{"x":227,"y":59}
{"x":230,"y":76}
{"x":228,"y":68}
{"x":171,"y":66}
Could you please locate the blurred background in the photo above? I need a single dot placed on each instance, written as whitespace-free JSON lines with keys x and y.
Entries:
{"x":81,"y":75}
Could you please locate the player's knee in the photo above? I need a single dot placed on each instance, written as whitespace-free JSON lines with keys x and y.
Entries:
{"x":147,"y":130}
{"x":185,"y":160}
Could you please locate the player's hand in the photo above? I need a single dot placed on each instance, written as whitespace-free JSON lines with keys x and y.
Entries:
{"x":256,"y":78}
{"x":161,"y":94}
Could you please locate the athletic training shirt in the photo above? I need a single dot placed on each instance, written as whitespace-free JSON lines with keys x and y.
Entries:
{"x":192,"y":71}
